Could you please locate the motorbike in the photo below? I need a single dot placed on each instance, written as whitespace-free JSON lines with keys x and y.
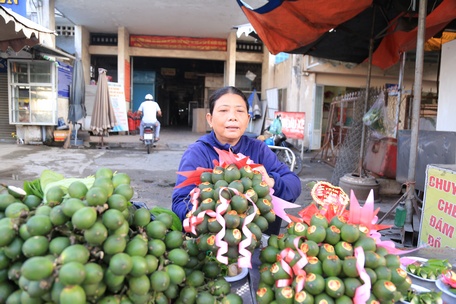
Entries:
{"x":285,"y":151}
{"x":149,"y":137}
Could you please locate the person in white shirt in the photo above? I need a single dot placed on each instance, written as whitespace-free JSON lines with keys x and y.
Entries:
{"x":149,"y":110}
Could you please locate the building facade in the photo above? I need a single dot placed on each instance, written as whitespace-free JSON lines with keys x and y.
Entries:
{"x":181,"y":72}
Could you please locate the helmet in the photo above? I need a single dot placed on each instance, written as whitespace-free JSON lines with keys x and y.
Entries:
{"x":149,"y":97}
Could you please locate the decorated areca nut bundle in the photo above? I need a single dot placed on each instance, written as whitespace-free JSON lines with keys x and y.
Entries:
{"x":332,"y":255}
{"x":223,"y":201}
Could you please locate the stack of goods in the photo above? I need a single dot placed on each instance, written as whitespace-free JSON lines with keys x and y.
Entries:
{"x":232,"y":207}
{"x":332,"y":255}
{"x":71,"y":240}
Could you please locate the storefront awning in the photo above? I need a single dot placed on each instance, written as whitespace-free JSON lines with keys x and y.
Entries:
{"x":18,"y":31}
{"x":53,"y":52}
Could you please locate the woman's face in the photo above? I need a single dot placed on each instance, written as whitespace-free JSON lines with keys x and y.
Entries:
{"x":229,"y":119}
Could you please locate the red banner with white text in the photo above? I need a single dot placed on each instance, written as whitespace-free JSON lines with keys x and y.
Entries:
{"x":181,"y":43}
{"x":293,"y":124}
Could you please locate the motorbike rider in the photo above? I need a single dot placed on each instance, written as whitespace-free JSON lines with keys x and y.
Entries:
{"x":149,"y":110}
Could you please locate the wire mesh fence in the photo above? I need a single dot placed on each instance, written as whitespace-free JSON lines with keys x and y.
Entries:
{"x":349,"y":155}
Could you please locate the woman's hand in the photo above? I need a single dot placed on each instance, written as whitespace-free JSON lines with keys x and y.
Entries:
{"x":269,"y":180}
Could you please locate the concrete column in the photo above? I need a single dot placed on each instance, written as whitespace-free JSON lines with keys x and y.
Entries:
{"x":267,"y":71}
{"x":230,"y":65}
{"x":123,"y":60}
{"x":81,"y":46}
{"x":48,"y":17}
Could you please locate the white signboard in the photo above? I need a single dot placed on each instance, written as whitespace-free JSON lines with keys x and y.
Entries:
{"x":119,"y":105}
{"x":272,"y":96}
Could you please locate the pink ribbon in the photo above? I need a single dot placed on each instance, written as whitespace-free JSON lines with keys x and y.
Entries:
{"x":362,"y":293}
{"x":219,"y":242}
{"x":286,"y":256}
{"x":298,"y":267}
{"x":279,"y":205}
{"x":245,"y":260}
{"x":449,"y":278}
{"x":390,"y":246}
{"x":191,"y":222}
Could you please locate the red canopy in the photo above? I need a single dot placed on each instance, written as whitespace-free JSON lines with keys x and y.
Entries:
{"x":340,"y":30}
{"x":291,"y":24}
{"x":395,"y":43}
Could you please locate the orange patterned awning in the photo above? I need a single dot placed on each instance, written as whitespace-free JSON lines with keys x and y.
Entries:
{"x":435,"y":44}
{"x":181,"y":43}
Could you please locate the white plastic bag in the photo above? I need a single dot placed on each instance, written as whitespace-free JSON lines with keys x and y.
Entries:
{"x":377,"y":119}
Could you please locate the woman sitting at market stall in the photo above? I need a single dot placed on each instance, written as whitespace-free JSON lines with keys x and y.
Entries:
{"x":229,"y":117}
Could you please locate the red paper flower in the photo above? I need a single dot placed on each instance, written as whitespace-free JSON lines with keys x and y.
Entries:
{"x":225,"y":159}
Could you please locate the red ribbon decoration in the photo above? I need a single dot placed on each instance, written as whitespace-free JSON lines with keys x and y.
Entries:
{"x":193,"y":177}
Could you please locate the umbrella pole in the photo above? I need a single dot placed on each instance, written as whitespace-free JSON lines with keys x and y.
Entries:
{"x":75,"y":133}
{"x":410,"y":202}
{"x":366,"y":97}
{"x":399,"y":94}
{"x":101,"y":142}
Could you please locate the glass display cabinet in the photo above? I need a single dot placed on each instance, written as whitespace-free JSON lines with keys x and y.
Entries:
{"x":33,"y":93}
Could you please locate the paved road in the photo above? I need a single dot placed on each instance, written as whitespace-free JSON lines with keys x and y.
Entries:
{"x":152,"y":175}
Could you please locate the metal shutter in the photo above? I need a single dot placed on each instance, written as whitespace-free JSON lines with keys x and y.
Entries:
{"x":5,"y":128}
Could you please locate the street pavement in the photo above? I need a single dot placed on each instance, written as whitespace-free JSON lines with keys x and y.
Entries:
{"x":152,"y":175}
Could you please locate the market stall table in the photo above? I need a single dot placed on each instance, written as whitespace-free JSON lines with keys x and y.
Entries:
{"x":244,"y":288}
{"x":435,"y":253}
{"x":251,"y":283}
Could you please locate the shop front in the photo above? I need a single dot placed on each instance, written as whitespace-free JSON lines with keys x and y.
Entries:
{"x":36,"y":78}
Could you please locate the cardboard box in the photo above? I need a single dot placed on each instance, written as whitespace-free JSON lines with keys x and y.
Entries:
{"x":61,"y":135}
{"x":199,"y":123}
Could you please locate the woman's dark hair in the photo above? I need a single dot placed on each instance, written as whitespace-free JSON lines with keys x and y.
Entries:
{"x":223,"y":91}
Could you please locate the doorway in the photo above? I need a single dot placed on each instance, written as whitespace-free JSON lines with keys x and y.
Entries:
{"x":143,"y":84}
{"x":178,"y":85}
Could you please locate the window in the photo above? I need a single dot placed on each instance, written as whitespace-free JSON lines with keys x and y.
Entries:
{"x":32,"y":91}
{"x":65,"y":30}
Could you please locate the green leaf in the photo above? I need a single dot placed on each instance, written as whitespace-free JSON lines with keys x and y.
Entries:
{"x":66,"y":182}
{"x":48,"y":176}
{"x":33,"y":187}
{"x":177,"y":224}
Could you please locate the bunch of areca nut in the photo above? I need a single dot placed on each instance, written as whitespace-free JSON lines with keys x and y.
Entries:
{"x":231,"y":210}
{"x":85,"y":242}
{"x":320,"y":262}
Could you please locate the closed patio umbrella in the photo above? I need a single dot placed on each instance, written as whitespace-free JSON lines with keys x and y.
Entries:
{"x":77,"y":109}
{"x":103,"y":117}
